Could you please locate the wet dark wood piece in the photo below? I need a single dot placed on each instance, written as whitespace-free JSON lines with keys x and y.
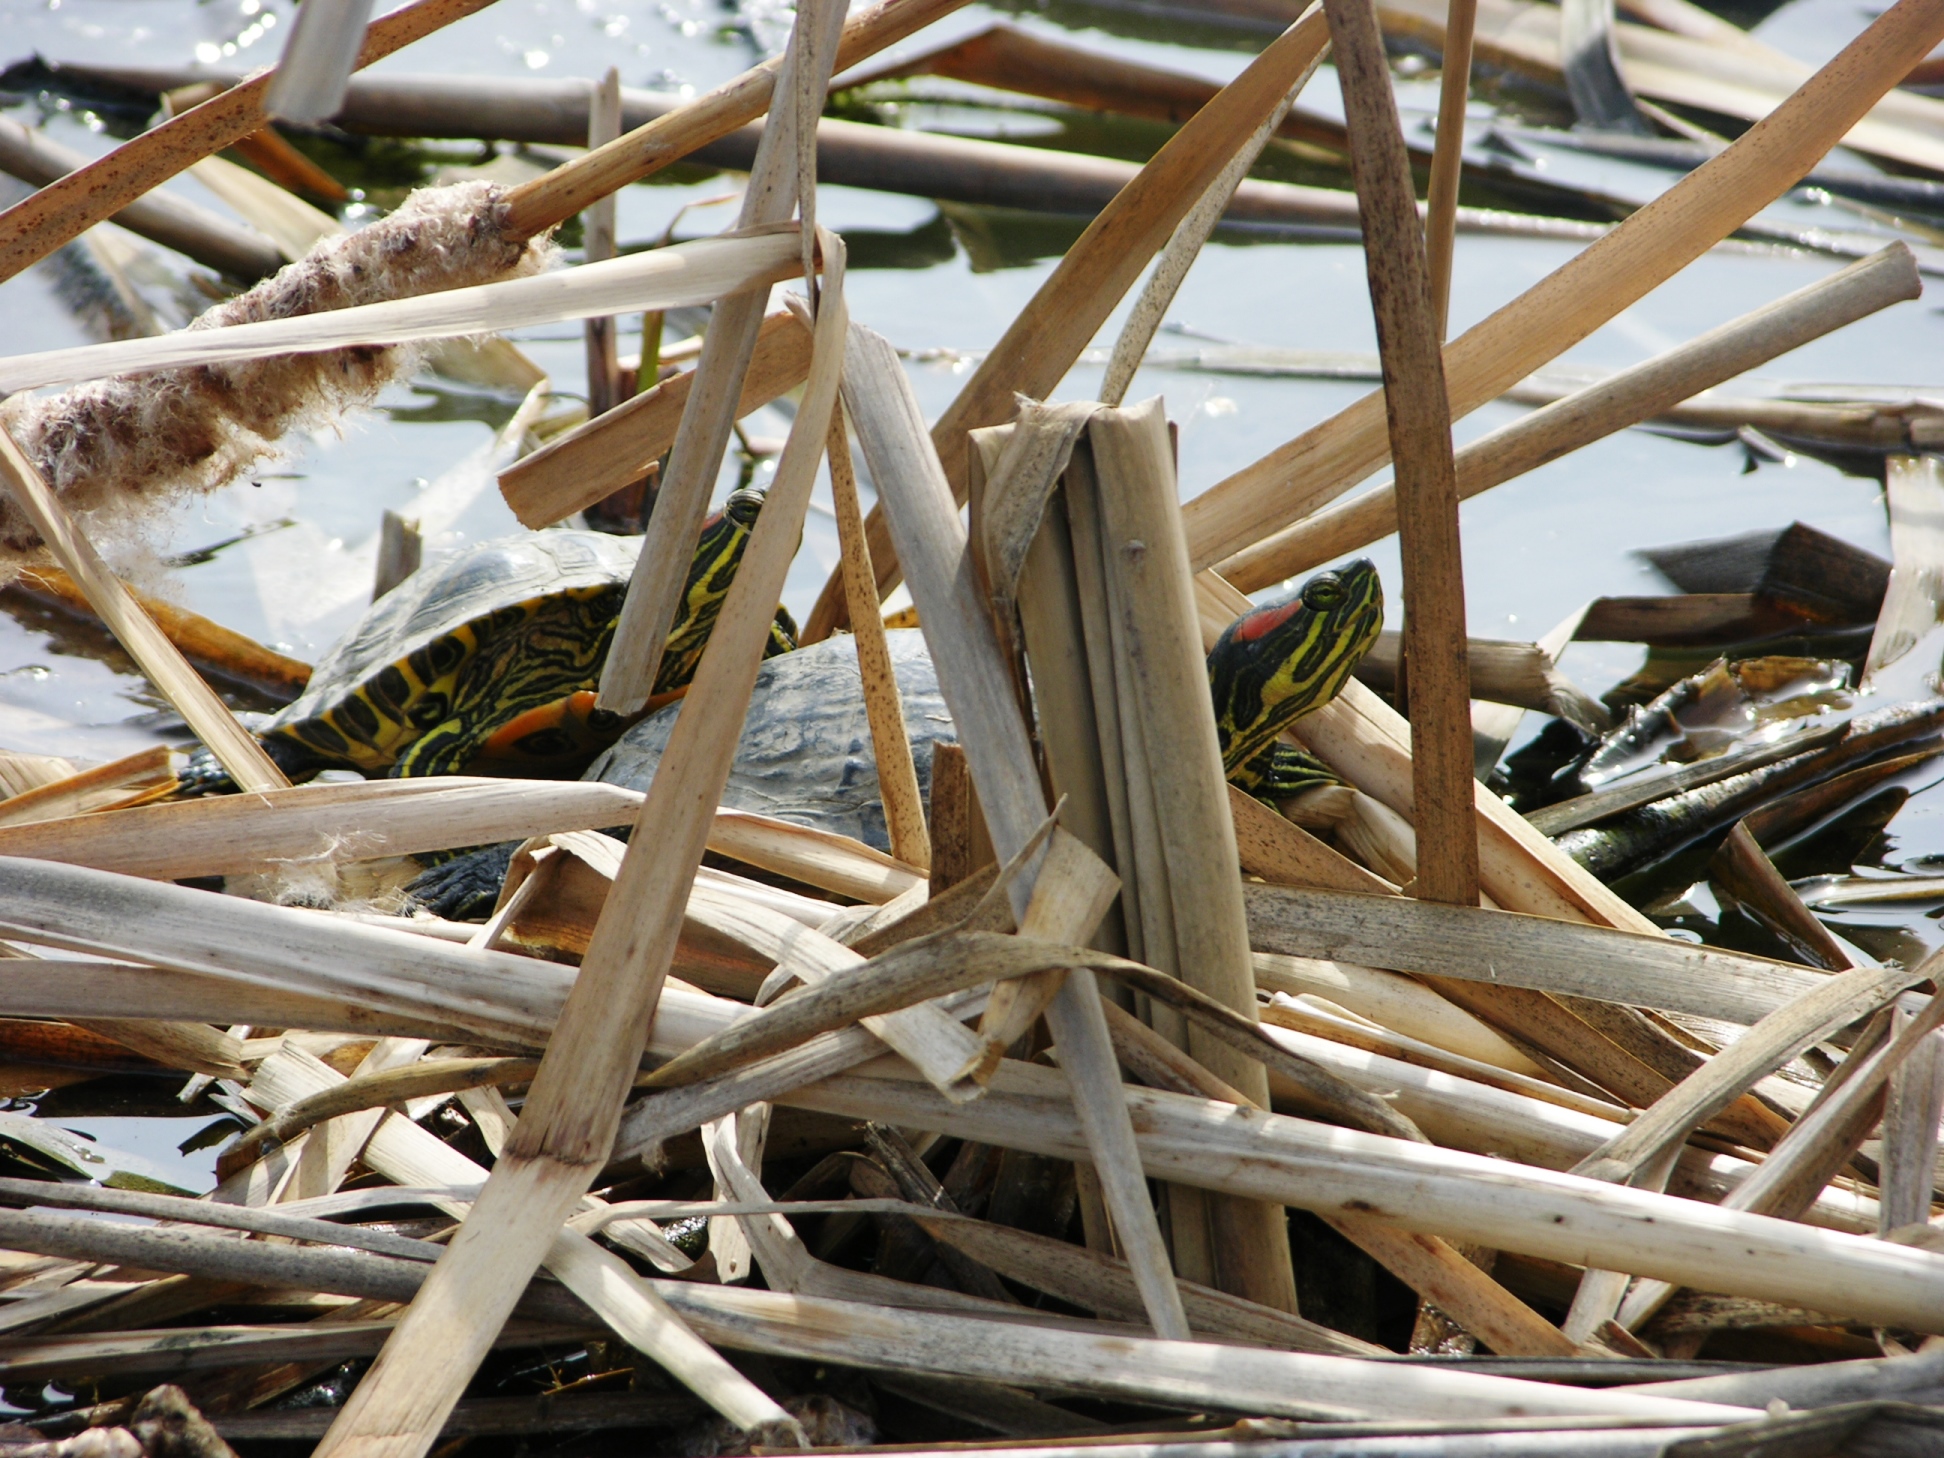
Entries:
{"x":1827,"y":578}
{"x":1744,"y":872}
{"x":1419,"y":413}
{"x":1644,"y":790}
{"x":1690,"y":620}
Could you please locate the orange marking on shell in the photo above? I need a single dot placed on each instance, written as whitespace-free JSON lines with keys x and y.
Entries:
{"x":575,"y":707}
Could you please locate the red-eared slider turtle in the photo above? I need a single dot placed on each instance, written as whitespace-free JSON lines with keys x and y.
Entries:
{"x":805,"y":753}
{"x":486,"y":662}
{"x":1276,"y":663}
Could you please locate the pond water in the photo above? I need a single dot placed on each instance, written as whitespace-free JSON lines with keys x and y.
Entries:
{"x":285,"y":557}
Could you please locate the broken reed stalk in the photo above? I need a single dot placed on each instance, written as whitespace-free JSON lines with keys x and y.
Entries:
{"x":1624,"y":398}
{"x":1159,"y":656}
{"x":62,"y":211}
{"x":233,"y":745}
{"x":1409,"y":344}
{"x":1907,"y":1166}
{"x":1448,"y":157}
{"x":694,"y":462}
{"x":1646,"y":249}
{"x":597,"y":221}
{"x":904,"y":809}
{"x":568,"y":1124}
{"x":977,"y":682}
{"x":1061,"y":319}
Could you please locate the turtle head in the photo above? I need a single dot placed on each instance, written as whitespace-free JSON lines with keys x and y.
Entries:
{"x":1276,"y":663}
{"x":742,"y":507}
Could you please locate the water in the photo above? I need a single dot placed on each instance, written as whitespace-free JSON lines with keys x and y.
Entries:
{"x":943,"y":284}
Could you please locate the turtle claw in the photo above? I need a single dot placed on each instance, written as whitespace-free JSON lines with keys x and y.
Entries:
{"x":464,"y":887}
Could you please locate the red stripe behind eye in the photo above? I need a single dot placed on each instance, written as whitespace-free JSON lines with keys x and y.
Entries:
{"x":1264,"y":621}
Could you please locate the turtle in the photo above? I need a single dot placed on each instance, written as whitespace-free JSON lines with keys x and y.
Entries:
{"x":805,"y":751}
{"x":1278,"y":662}
{"x":487,"y":661}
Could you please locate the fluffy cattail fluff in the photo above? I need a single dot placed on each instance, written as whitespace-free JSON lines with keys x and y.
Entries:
{"x":121,"y":451}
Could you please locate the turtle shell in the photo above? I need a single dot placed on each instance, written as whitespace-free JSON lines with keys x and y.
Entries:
{"x":434,"y":620}
{"x":805,"y":754}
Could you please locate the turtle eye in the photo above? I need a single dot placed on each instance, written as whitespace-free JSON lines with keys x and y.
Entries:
{"x":1323,"y":592}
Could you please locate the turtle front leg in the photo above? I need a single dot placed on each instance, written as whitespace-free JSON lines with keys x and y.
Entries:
{"x":1282,"y":772}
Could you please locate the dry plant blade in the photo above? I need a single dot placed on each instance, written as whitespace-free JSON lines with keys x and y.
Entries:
{"x":660,"y":1117}
{"x":233,"y":745}
{"x":1342,"y":1102}
{"x":502,"y":999}
{"x":1448,"y":157}
{"x":1409,"y":341}
{"x":684,"y":273}
{"x":1624,"y":398}
{"x":1649,"y":247}
{"x":1159,"y":661}
{"x":569,"y":1121}
{"x":1184,"y":247}
{"x":977,"y":684}
{"x":62,"y":211}
{"x":1732,"y":1072}
{"x":375,"y":1090}
{"x":308,"y":85}
{"x":1062,"y":318}
{"x":695,"y":460}
{"x":1914,"y":491}
{"x":956,"y":1060}
{"x":904,"y":811}
{"x":818,"y":858}
{"x":140,"y":1203}
{"x":162,"y":217}
{"x":1908,"y":1163}
{"x":907,"y":974}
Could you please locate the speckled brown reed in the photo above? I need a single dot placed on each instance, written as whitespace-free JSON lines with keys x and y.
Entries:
{"x":120,"y":451}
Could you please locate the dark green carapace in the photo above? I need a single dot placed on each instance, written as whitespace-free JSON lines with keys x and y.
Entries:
{"x":1275,"y":664}
{"x":487,"y":662}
